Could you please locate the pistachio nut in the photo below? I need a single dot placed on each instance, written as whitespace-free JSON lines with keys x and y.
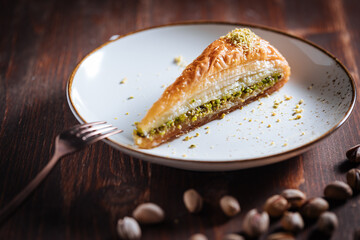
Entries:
{"x":313,"y":207}
{"x":128,"y":229}
{"x":198,"y":236}
{"x":353,"y":179}
{"x":327,"y":223}
{"x":292,"y":221}
{"x":353,"y":154}
{"x":280,"y":236}
{"x":295,"y":197}
{"x":230,"y":205}
{"x":233,"y":236}
{"x":338,"y":190}
{"x":276,"y":205}
{"x":148,"y":213}
{"x":193,"y":201}
{"x":255,"y":223}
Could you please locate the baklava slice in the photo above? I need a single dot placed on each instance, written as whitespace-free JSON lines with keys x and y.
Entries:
{"x":231,"y":72}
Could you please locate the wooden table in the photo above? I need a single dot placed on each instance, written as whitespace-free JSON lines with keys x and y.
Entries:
{"x":42,"y":41}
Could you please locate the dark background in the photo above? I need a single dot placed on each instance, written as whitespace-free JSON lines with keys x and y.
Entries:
{"x":40,"y":44}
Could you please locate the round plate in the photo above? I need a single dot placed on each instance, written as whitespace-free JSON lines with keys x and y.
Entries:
{"x":120,"y":80}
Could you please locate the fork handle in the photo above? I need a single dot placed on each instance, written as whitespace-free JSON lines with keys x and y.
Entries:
{"x":20,"y":197}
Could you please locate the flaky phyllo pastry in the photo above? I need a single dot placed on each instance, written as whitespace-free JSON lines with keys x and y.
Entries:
{"x":231,"y":72}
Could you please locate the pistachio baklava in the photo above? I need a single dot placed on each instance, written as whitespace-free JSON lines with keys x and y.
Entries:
{"x":231,"y":72}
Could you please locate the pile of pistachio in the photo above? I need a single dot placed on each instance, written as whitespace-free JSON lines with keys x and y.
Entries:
{"x":291,"y":206}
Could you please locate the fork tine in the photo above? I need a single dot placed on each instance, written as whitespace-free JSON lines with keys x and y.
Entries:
{"x":91,"y":129}
{"x":97,"y":138}
{"x":98,"y":131}
{"x":81,"y":126}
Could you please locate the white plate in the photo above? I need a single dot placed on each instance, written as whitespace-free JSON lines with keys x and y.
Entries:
{"x":245,"y":138}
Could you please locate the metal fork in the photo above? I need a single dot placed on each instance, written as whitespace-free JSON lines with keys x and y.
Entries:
{"x":67,"y":142}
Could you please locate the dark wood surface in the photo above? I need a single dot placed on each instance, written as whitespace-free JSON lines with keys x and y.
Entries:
{"x":40,"y":44}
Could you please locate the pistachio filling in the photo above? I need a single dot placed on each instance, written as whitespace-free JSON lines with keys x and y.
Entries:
{"x":209,"y":107}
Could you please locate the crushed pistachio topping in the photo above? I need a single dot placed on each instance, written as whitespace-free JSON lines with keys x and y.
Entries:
{"x":192,"y":146}
{"x":210,"y":107}
{"x":243,"y":37}
{"x":131,"y":97}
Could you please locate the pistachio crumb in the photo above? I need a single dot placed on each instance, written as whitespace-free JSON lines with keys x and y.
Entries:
{"x":277,"y":120}
{"x":124,"y":80}
{"x":115,"y":118}
{"x":179,"y":61}
{"x":207,"y":132}
{"x":272,"y":143}
{"x":187,"y":138}
{"x":302,"y":134}
{"x":184,"y":155}
{"x":192,"y":146}
{"x":287,"y":97}
{"x":127,"y":113}
{"x":131,"y":97}
{"x":299,"y":116}
{"x":197,"y":134}
{"x":301,"y":101}
{"x":298,"y":110}
{"x":269,"y":126}
{"x":273,"y":114}
{"x":223,"y":115}
{"x":285,"y":144}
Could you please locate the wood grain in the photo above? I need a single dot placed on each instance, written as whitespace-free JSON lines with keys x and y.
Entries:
{"x":42,"y":41}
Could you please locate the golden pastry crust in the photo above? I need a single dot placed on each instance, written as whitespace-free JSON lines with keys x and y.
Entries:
{"x":219,"y":56}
